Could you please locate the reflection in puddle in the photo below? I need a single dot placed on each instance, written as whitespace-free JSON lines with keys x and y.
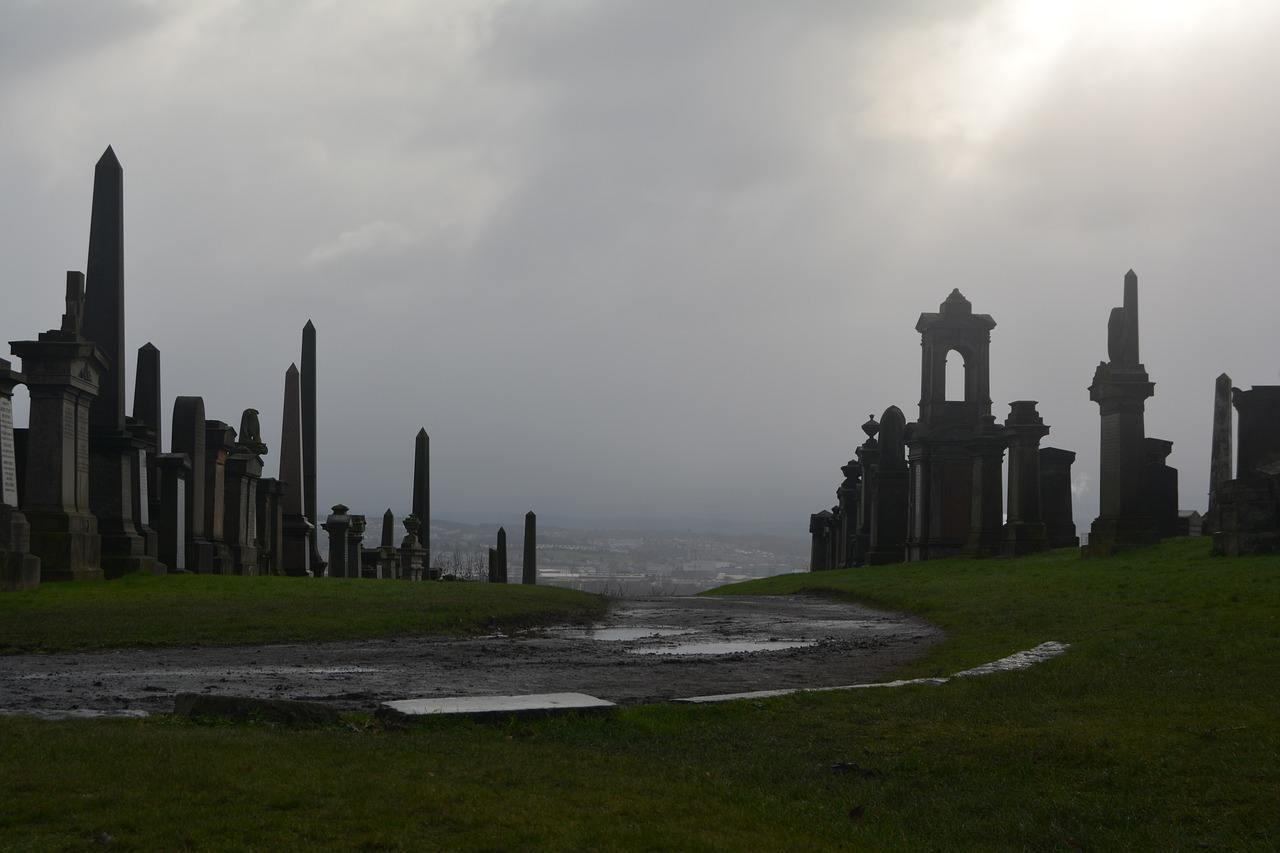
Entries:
{"x":615,"y":635}
{"x":724,"y":648}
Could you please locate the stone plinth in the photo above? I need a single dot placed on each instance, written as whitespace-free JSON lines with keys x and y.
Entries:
{"x":986,"y":505}
{"x":820,"y":546}
{"x":173,"y":480}
{"x":1055,"y":497}
{"x":1024,"y":532}
{"x":1162,"y":488}
{"x":19,"y":568}
{"x":337,"y":525}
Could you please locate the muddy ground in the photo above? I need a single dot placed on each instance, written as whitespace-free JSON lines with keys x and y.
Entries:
{"x":644,"y":650}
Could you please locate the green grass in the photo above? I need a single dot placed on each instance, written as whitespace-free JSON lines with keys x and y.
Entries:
{"x":170,"y":610}
{"x":1157,"y":731}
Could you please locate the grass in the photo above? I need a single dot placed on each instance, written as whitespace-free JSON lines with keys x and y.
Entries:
{"x":1158,"y":730}
{"x":172,"y":610}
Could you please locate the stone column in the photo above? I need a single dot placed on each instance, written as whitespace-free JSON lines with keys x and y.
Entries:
{"x":818,"y":544}
{"x":889,"y":501}
{"x":1055,"y":497}
{"x":1220,"y":457}
{"x":19,"y":568}
{"x":1024,"y":533}
{"x":848,"y":494}
{"x":298,"y":531}
{"x":145,"y":427}
{"x":355,"y":546}
{"x":172,"y":491}
{"x":61,"y":373}
{"x":244,"y":474}
{"x":307,"y":377}
{"x":867,"y":454}
{"x":411,"y":550}
{"x":529,"y":566}
{"x":270,"y":500}
{"x":502,"y":555}
{"x":422,"y":490}
{"x":1162,"y":488}
{"x":1121,"y":387}
{"x":986,"y":506}
{"x":219,"y":440}
{"x":337,"y":525}
{"x":188,"y":438}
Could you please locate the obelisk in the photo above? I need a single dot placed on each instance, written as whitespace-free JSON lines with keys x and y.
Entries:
{"x":308,"y":378}
{"x":299,"y":541}
{"x":529,"y":569}
{"x":502,"y":555}
{"x":422,"y":491}
{"x":1220,"y":459}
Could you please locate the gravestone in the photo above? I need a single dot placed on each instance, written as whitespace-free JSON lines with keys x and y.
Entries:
{"x":219,"y":441}
{"x":889,"y":501}
{"x":847,"y":495}
{"x":1162,"y":488}
{"x":188,"y":437}
{"x":1249,"y":505}
{"x":19,"y":568}
{"x":1055,"y":497}
{"x":145,"y":427}
{"x":502,"y":555}
{"x":986,"y":528}
{"x":1024,"y":532}
{"x":422,"y":490}
{"x":493,"y":565}
{"x":337,"y":525}
{"x":270,"y":504}
{"x":173,"y":482}
{"x":1220,"y":455}
{"x":820,"y":546}
{"x":867,"y":454}
{"x":355,"y":543}
{"x":113,"y":449}
{"x":1121,"y":387}
{"x":298,"y":531}
{"x":243,"y":474}
{"x":1257,"y":430}
{"x":529,"y":567}
{"x":411,"y":567}
{"x":61,"y":370}
{"x":307,"y":390}
{"x":388,"y":559}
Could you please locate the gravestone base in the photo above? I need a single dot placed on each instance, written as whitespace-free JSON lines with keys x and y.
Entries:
{"x":1063,"y":536}
{"x":297,"y":547}
{"x":19,"y":569}
{"x":67,"y":544}
{"x":123,"y":550}
{"x":889,"y":519}
{"x":1024,"y":537}
{"x":1109,"y":536}
{"x":202,"y":556}
{"x":985,"y":543}
{"x":244,"y":559}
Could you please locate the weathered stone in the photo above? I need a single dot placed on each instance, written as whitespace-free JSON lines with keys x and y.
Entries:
{"x":1220,"y":456}
{"x":986,"y":531}
{"x":1055,"y":497}
{"x":1024,"y":533}
{"x":298,"y":531}
{"x":1120,"y":388}
{"x":307,"y":377}
{"x":848,"y":495}
{"x":19,"y":568}
{"x":868,"y":454}
{"x":388,"y":560}
{"x":889,"y":498}
{"x":145,"y":427}
{"x":502,"y":555}
{"x":422,"y":490}
{"x":61,"y":371}
{"x":529,"y":567}
{"x":820,"y":548}
{"x":188,"y":438}
{"x":337,"y":525}
{"x":1258,"y":429}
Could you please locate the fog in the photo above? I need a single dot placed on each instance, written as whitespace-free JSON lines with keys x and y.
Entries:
{"x":650,"y":260}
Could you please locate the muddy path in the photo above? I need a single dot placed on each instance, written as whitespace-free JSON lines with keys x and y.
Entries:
{"x":644,"y":650}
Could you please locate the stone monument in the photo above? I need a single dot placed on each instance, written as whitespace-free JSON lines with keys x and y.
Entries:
{"x":529,"y":566}
{"x":1055,"y":497}
{"x":502,"y":554}
{"x":422,"y":490}
{"x":388,"y":560}
{"x":145,"y":427}
{"x":355,"y":546}
{"x":19,"y":568}
{"x":867,"y":454}
{"x":1024,"y":532}
{"x":243,"y":474}
{"x":298,"y":531}
{"x":847,"y":496}
{"x":986,"y":531}
{"x":411,"y":567}
{"x":308,"y":404}
{"x":493,"y":565}
{"x":1162,"y":488}
{"x":170,"y":513}
{"x":270,"y":526}
{"x":219,"y":441}
{"x":820,"y":546}
{"x":889,"y":498}
{"x":188,"y":438}
{"x":337,"y":525}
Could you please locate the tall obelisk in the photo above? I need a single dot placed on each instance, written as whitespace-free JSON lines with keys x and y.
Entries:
{"x":299,"y":539}
{"x":422,"y":491}
{"x":308,"y":379}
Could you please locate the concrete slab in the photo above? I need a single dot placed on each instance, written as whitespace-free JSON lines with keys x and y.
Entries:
{"x":534,"y":704}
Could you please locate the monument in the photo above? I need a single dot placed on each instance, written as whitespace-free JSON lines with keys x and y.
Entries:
{"x":19,"y":568}
{"x":1220,"y":454}
{"x":867,"y":454}
{"x":308,"y":407}
{"x":145,"y":427}
{"x":170,"y":508}
{"x":337,"y":525}
{"x":188,"y":438}
{"x":422,"y":490}
{"x":529,"y":567}
{"x":889,"y":495}
{"x":243,"y":474}
{"x":986,"y":531}
{"x":298,"y":531}
{"x":219,"y":440}
{"x":502,"y":555}
{"x":355,"y":546}
{"x":1162,"y":488}
{"x":1121,"y":387}
{"x":820,"y":546}
{"x":493,"y":565}
{"x":1248,"y":506}
{"x":411,"y":566}
{"x":847,"y":497}
{"x":1024,"y":532}
{"x":387,"y":559}
{"x":61,"y":370}
{"x":270,"y":505}
{"x":1055,"y":497}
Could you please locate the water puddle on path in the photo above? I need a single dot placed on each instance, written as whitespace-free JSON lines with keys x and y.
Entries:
{"x":720,"y":647}
{"x":616,"y":635}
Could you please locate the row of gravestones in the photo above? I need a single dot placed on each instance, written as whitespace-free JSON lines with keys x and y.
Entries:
{"x":935,"y":487}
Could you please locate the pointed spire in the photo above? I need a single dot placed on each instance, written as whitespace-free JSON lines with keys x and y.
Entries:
{"x":104,"y":289}
{"x":108,"y":159}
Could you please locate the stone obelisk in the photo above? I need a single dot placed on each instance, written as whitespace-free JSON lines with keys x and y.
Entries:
{"x":422,"y":492}
{"x":299,"y":541}
{"x":1220,"y":459}
{"x":529,"y":569}
{"x":1121,"y":387}
{"x":113,"y":450}
{"x":145,"y":425}
{"x":502,"y":554}
{"x":308,"y":379}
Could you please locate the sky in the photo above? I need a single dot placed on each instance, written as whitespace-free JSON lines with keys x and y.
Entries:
{"x":650,"y":259}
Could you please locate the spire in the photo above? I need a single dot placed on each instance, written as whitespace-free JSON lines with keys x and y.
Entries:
{"x":104,"y":289}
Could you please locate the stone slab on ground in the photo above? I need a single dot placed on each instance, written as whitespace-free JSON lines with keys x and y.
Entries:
{"x":532,"y":704}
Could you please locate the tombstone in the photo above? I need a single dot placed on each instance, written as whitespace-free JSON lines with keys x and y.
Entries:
{"x":337,"y":525}
{"x":502,"y":555}
{"x":1220,"y":455}
{"x":1055,"y":497}
{"x":307,"y":378}
{"x":889,"y":497}
{"x":388,"y":560}
{"x":493,"y":565}
{"x":113,"y":450}
{"x":270,"y":505}
{"x":1248,"y":506}
{"x":411,"y":568}
{"x":1257,"y":429}
{"x":422,"y":490}
{"x":1024,"y":532}
{"x":867,"y":454}
{"x":1121,"y":387}
{"x":355,"y":541}
{"x":298,"y":531}
{"x":986,"y":528}
{"x":188,"y":438}
{"x":173,"y":481}
{"x":61,"y":371}
{"x":145,"y":427}
{"x":847,"y":496}
{"x":1162,"y":487}
{"x":219,"y":441}
{"x":819,"y":532}
{"x":19,"y":568}
{"x":529,"y":566}
{"x":240,"y":514}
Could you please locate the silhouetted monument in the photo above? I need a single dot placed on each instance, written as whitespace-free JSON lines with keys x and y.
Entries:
{"x":308,"y":404}
{"x":502,"y":554}
{"x":189,"y":438}
{"x":1120,"y":388}
{"x":243,"y":475}
{"x":1249,"y":505}
{"x":1055,"y":497}
{"x":411,"y":566}
{"x":847,"y":496}
{"x":868,"y":454}
{"x":820,"y":547}
{"x":1220,"y":456}
{"x":145,"y":427}
{"x":337,"y":525}
{"x":173,"y":481}
{"x":1024,"y":532}
{"x":529,"y":568}
{"x":422,"y":490}
{"x":19,"y":568}
{"x":388,"y":559}
{"x":270,"y":504}
{"x":889,"y":498}
{"x":61,"y":372}
{"x":355,"y":549}
{"x":113,"y":450}
{"x":986,"y":529}
{"x":298,"y":532}
{"x":942,"y":444}
{"x":1162,"y":488}
{"x":493,"y":565}
{"x":219,"y":440}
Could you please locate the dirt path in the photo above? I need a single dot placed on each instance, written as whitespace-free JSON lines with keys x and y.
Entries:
{"x":644,"y":650}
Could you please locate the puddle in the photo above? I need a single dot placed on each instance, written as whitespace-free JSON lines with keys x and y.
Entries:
{"x":205,"y":672}
{"x":724,"y":648}
{"x":616,"y":635}
{"x":72,"y":713}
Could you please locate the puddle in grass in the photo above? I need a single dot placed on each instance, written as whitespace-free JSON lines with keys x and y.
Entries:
{"x":731,"y":647}
{"x":617,"y":635}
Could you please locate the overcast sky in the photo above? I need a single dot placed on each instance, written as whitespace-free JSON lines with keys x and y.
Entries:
{"x":655,"y":258}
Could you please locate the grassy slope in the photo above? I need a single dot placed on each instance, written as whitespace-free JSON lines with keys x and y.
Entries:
{"x":142,"y":610}
{"x":1157,"y":731}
